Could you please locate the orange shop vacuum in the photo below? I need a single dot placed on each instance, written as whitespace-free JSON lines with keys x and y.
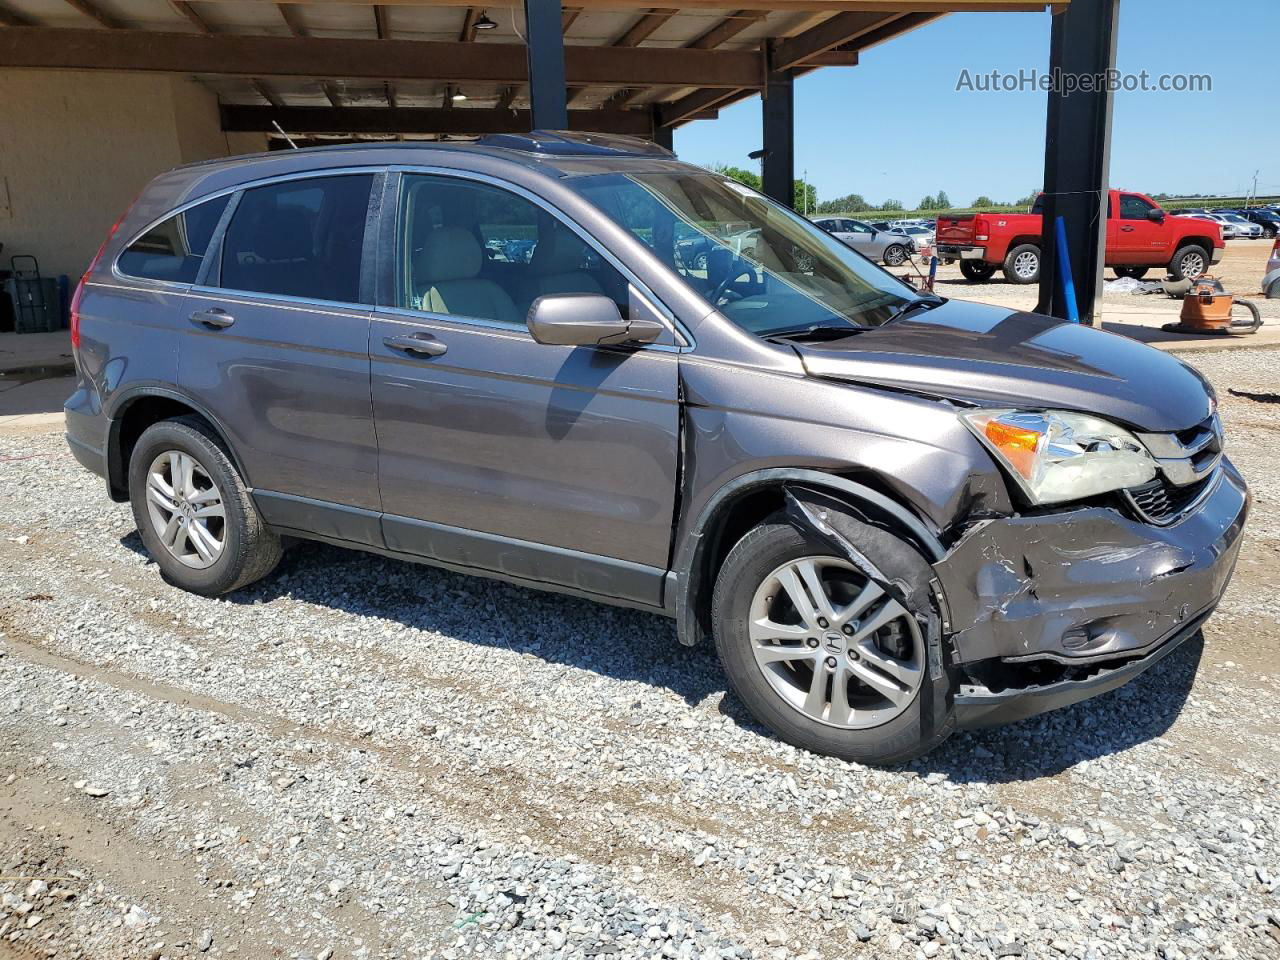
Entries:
{"x":1206,"y":309}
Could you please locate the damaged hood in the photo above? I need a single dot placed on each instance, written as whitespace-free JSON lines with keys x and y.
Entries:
{"x":990,"y":357}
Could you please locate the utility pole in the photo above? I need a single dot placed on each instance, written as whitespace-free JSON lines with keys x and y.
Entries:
{"x":804,"y":189}
{"x":1254,"y":194}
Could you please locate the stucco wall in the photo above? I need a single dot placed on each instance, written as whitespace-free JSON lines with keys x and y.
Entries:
{"x":76,"y":147}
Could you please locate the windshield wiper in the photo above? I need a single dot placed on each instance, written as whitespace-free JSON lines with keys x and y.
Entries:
{"x":919,"y":303}
{"x":816,"y":331}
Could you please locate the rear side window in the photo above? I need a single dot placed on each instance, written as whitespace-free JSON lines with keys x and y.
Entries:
{"x":174,"y":248}
{"x":300,"y":238}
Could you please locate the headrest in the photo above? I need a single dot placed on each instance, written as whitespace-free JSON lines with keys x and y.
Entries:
{"x":559,"y":250}
{"x":448,"y":253}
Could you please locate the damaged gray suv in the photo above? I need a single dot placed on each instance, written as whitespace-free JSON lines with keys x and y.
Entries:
{"x":577,"y":364}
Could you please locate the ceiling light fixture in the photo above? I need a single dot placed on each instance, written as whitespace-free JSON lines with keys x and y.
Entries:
{"x":484,"y":23}
{"x":457,"y":95}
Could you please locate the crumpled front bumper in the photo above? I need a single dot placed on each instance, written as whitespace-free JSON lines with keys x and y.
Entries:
{"x":1089,"y":586}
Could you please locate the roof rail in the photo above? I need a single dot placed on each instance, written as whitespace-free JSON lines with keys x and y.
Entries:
{"x":567,"y":143}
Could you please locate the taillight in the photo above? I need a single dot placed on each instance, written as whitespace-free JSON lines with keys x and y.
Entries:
{"x":981,"y":230}
{"x":75,"y":297}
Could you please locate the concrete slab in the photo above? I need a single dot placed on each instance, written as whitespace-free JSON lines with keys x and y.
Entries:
{"x":21,"y":351}
{"x":33,"y":406}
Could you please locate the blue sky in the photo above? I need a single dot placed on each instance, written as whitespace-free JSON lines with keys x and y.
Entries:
{"x":895,"y":127}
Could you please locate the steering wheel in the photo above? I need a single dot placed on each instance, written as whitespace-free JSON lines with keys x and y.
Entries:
{"x":736,"y":269}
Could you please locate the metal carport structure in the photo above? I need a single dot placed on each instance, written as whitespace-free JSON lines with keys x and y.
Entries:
{"x":360,"y":69}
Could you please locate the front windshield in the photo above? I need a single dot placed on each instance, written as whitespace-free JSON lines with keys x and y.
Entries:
{"x":762,"y":266}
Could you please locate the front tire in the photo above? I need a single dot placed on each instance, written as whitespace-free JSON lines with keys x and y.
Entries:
{"x":193,"y":512}
{"x":859,"y":688}
{"x":1022,"y":264}
{"x":1188,"y":263}
{"x":895,"y":255}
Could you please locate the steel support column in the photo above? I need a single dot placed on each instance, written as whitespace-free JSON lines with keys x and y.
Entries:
{"x":778,"y":109}
{"x":1078,"y":154}
{"x":662,"y":136}
{"x":545,"y":39}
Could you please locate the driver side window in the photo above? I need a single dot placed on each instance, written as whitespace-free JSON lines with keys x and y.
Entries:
{"x":1134,"y":208}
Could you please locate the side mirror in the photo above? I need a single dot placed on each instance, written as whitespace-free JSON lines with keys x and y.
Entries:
{"x":1155,"y":216}
{"x":585,"y":319}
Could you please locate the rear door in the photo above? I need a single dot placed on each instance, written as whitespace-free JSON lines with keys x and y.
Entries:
{"x":276,"y":348}
{"x":554,"y":464}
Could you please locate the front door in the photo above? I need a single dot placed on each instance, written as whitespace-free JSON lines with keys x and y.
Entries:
{"x":276,"y":347}
{"x":1139,"y":239}
{"x":544,"y":463}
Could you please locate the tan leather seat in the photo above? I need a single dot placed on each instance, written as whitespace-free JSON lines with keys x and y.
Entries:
{"x":556,"y":266}
{"x":447,"y":273}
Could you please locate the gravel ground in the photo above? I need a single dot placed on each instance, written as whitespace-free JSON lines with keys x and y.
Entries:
{"x":362,"y":758}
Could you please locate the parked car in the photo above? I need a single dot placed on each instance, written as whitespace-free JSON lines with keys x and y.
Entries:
{"x":1140,"y":235}
{"x":1268,"y":220}
{"x":862,"y":493}
{"x":920,"y":237}
{"x":1271,"y":281}
{"x":889,"y":247}
{"x":1245,"y":229}
{"x":1230,"y":231}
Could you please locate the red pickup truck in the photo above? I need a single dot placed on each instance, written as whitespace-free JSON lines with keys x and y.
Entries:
{"x":1140,"y":235}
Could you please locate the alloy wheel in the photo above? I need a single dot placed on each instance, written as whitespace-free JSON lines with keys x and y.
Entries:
{"x":186,"y":509}
{"x":1026,"y":264}
{"x":1192,"y":265}
{"x":834,"y":645}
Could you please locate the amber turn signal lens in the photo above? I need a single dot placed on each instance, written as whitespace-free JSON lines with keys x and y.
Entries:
{"x":1018,"y":444}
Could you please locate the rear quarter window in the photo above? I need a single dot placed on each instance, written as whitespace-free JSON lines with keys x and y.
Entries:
{"x":174,"y":249}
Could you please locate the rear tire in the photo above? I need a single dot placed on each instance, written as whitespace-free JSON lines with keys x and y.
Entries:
{"x":1189,"y":262}
{"x":193,"y":512}
{"x":977,"y":271}
{"x":1022,"y":264}
{"x":1137,"y":273}
{"x":880,"y":728}
{"x":1273,"y":291}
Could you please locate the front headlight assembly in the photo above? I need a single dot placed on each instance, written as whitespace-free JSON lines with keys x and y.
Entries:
{"x":1056,"y":456}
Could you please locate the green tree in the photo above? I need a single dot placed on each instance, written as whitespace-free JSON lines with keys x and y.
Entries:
{"x":1028,"y":200}
{"x":892,"y":205}
{"x":747,"y":177}
{"x":942,"y":200}
{"x":805,"y":196}
{"x":984,"y":201}
{"x":846,"y":204}
{"x":928,"y":202}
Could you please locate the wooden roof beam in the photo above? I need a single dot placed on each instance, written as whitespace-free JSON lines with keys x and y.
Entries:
{"x":12,"y":18}
{"x":645,"y":27}
{"x":842,"y":29}
{"x":262,"y":56}
{"x":419,"y":120}
{"x":727,"y":29}
{"x":96,"y":14}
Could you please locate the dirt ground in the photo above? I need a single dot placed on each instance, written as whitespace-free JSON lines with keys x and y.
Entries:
{"x":1241,"y":271}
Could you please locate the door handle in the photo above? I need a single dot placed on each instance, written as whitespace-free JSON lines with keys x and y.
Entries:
{"x":421,"y":343}
{"x":215,"y":318}
{"x":1126,"y":229}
